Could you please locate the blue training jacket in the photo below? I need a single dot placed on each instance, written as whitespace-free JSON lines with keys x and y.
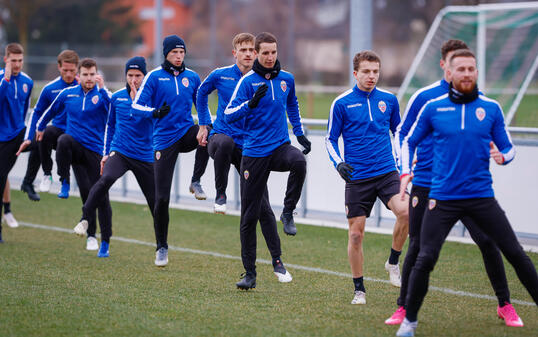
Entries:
{"x":179,"y":92}
{"x":127,"y":133}
{"x":265,"y":127}
{"x":364,"y":120}
{"x":224,"y":80}
{"x":461,"y":134}
{"x":87,"y":115}
{"x":14,"y":103}
{"x":423,"y":169}
{"x":47,"y":96}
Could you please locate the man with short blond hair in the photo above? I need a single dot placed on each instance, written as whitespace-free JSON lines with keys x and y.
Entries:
{"x":225,"y":141}
{"x":15,"y":92}
{"x":364,"y":116}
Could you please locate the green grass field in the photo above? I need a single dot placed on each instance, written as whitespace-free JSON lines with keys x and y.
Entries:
{"x":51,"y":286}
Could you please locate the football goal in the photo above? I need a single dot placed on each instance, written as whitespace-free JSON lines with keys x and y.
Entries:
{"x":504,"y":38}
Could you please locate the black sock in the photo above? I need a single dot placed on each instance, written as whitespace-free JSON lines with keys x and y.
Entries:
{"x":7,"y":207}
{"x":276,"y":260}
{"x":394,"y":256}
{"x":359,"y":285}
{"x":502,"y":303}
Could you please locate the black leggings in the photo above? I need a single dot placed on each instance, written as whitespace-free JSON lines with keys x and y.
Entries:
{"x":115,"y":167}
{"x":254,"y":196}
{"x":439,"y":219}
{"x":87,"y":167}
{"x":224,"y":152}
{"x":490,"y":253}
{"x":8,"y":158}
{"x":165,"y":161}
{"x":49,"y":142}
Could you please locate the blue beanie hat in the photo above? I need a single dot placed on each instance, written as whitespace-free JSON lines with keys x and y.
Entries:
{"x":138,"y":63}
{"x":171,"y":42}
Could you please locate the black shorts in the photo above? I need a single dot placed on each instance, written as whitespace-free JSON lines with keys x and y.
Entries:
{"x":361,"y":194}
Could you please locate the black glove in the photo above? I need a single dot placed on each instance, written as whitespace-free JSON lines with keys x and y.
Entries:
{"x":345,"y":170}
{"x":162,"y":111}
{"x":305,"y":143}
{"x":260,"y":92}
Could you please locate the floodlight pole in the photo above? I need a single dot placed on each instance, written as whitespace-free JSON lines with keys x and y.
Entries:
{"x":157,"y":58}
{"x":360,"y":30}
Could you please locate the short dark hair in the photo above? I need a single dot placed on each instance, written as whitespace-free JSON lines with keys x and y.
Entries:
{"x":68,"y":56}
{"x":14,"y":48}
{"x":365,"y":55}
{"x":452,"y":45}
{"x":87,"y":63}
{"x":264,"y":37}
{"x":461,"y":53}
{"x":242,"y":38}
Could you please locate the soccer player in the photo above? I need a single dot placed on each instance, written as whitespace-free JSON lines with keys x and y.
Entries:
{"x":422,"y":174}
{"x":364,"y":117}
{"x":266,"y":143}
{"x":48,"y":139}
{"x":15,"y":94}
{"x":8,"y":216}
{"x":226,"y":141}
{"x":15,"y":91}
{"x":171,"y":87}
{"x":86,"y":106}
{"x":128,"y":146}
{"x":465,"y":127}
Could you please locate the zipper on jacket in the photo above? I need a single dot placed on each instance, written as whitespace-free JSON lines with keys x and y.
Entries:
{"x":15,"y":88}
{"x":463,"y":117}
{"x":177,"y":89}
{"x":272,"y":90}
{"x":84,"y":101}
{"x":369,"y":109}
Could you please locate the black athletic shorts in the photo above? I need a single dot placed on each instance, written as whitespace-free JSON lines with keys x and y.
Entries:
{"x":362,"y":193}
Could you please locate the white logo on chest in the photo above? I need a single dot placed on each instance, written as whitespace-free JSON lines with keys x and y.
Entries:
{"x":382,"y":106}
{"x":480,"y":114}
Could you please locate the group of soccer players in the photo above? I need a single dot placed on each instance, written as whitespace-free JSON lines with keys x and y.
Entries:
{"x":453,"y":128}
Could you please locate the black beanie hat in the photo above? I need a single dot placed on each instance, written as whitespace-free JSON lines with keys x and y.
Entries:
{"x":138,"y":63}
{"x":171,"y":42}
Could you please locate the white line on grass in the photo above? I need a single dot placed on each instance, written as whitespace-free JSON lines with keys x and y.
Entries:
{"x":294,"y":266}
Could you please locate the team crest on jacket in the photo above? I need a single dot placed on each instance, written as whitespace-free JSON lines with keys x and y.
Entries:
{"x":185,"y":82}
{"x":480,"y":113}
{"x":432,"y":204}
{"x":25,"y":88}
{"x":267,"y":76}
{"x":95,"y":99}
{"x":283,"y":85}
{"x":176,"y":72}
{"x":382,"y":106}
{"x":414,"y":202}
{"x":246,"y":174}
{"x":158,"y":155}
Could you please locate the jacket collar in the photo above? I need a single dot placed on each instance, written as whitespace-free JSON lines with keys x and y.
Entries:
{"x":363,"y":93}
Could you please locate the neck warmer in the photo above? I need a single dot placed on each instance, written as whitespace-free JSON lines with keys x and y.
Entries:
{"x":461,"y":98}
{"x":267,"y":73}
{"x":172,"y":69}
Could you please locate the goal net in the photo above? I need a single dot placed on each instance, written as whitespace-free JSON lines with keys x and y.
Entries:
{"x":504,"y":38}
